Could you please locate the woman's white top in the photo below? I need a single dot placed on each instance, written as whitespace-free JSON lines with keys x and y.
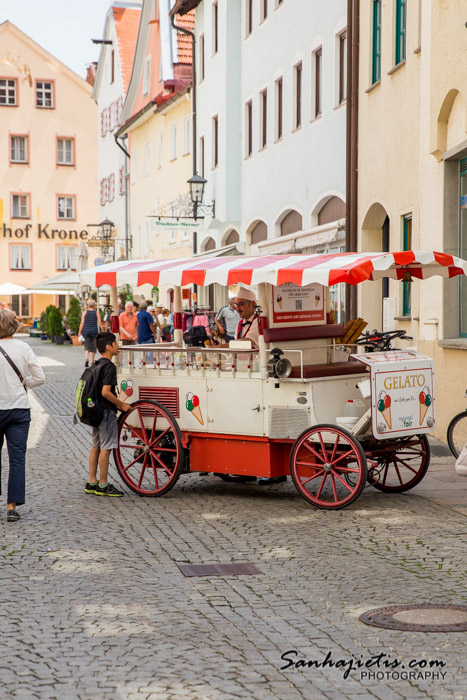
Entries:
{"x":12,"y":393}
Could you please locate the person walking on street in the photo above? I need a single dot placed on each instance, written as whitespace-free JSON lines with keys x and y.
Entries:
{"x":152,"y":311}
{"x":146,"y":325}
{"x":128,"y":325}
{"x":105,"y":436}
{"x":227,"y":321}
{"x":89,"y":328}
{"x":19,"y":370}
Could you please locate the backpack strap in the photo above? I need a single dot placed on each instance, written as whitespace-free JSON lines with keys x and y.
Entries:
{"x":14,"y":367}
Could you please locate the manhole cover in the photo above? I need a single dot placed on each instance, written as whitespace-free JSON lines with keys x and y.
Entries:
{"x":419,"y":618}
{"x":239,"y":569}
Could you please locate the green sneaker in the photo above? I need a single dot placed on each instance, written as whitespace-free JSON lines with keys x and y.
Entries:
{"x":108,"y":490}
{"x":90,"y":488}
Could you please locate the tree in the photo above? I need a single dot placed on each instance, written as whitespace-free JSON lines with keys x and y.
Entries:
{"x":73,"y":315}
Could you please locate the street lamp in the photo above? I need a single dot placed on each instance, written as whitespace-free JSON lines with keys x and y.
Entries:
{"x":106,"y":227}
{"x":196,"y":184}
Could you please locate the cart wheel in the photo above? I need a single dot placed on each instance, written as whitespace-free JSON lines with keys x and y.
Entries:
{"x":328,"y":466}
{"x":149,"y":455}
{"x":402,"y":465}
{"x":457,"y":433}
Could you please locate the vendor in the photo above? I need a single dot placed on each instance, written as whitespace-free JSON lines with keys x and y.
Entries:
{"x":248,"y":327}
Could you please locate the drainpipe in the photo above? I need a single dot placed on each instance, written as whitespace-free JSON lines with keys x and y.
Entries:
{"x":127,"y":197}
{"x":351,"y":189}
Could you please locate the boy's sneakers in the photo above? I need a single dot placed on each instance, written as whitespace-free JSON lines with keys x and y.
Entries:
{"x":90,"y":488}
{"x":107,"y":490}
{"x":86,"y":364}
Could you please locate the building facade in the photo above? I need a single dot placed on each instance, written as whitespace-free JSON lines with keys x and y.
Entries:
{"x":48,"y":165}
{"x":110,"y":88}
{"x":413,"y":173}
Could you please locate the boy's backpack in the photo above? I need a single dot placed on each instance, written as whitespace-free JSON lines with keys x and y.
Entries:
{"x":195,"y":337}
{"x":88,"y":396}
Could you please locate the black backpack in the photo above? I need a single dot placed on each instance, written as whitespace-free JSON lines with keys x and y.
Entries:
{"x":195,"y":337}
{"x":88,"y":396}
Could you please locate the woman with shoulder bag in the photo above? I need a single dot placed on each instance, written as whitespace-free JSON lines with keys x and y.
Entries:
{"x":19,"y":369}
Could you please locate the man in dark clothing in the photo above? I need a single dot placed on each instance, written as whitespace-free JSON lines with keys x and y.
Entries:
{"x":146,"y":325}
{"x":105,"y":436}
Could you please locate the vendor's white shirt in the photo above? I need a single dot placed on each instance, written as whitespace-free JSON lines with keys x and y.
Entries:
{"x":12,"y":393}
{"x":160,"y":318}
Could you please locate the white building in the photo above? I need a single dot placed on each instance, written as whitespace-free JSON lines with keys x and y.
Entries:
{"x":271,"y":123}
{"x":110,"y":87}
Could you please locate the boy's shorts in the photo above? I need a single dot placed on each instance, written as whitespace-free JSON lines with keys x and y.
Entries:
{"x":105,"y":436}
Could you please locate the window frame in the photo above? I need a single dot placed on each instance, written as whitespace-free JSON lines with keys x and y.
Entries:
{"x":26,"y":149}
{"x":407,"y":244}
{"x":342,"y":70}
{"x":298,"y":94}
{"x":279,"y":108}
{"x":317,"y":83}
{"x":67,"y":266}
{"x":202,"y":55}
{"x":186,"y":135}
{"x":73,"y":199}
{"x":263,"y":119}
{"x":66,"y":138}
{"x":215,"y":28}
{"x":215,"y":141}
{"x":27,"y":246}
{"x":146,"y":75}
{"x":27,"y":195}
{"x":376,"y":42}
{"x":248,"y":18}
{"x":263,"y":10}
{"x":8,"y":78}
{"x":174,"y":141}
{"x":36,"y":93}
{"x":400,"y":45}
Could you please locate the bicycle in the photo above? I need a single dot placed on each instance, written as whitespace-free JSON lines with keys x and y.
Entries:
{"x":379,"y":341}
{"x":457,"y":432}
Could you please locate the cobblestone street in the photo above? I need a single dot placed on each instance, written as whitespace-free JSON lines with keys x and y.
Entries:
{"x":107,"y":615}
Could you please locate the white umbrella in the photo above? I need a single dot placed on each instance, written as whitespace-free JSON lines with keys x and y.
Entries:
{"x":8,"y":288}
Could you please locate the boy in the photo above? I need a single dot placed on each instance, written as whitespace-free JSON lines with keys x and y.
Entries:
{"x":105,"y":436}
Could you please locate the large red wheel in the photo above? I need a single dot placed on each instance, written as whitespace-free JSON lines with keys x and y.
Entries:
{"x":149,"y":456}
{"x":401,"y":465}
{"x":328,"y":466}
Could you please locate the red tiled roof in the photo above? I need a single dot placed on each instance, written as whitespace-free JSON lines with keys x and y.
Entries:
{"x":126,"y":26}
{"x":184,"y":41}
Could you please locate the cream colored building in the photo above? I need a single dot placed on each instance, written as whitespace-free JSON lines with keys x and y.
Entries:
{"x":412,"y":176}
{"x":48,"y":165}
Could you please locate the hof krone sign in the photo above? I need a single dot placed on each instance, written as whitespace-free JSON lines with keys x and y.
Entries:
{"x":44,"y":231}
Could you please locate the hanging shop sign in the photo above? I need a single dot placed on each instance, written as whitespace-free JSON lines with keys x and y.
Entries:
{"x":44,"y":232}
{"x":100,"y":242}
{"x":174,"y":223}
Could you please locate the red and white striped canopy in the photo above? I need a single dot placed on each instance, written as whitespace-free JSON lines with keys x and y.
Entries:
{"x":301,"y":270}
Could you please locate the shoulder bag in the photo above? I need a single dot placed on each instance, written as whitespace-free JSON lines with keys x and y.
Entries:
{"x":14,"y":368}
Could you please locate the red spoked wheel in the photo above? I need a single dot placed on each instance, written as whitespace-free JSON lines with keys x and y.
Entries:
{"x":328,"y":466}
{"x":149,"y":456}
{"x":401,"y":465}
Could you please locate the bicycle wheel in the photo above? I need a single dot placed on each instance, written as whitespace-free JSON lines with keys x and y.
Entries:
{"x":457,"y":433}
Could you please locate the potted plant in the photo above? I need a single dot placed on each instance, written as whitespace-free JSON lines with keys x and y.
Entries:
{"x":73,"y":319}
{"x":43,"y":326}
{"x":56,"y":325}
{"x":48,"y":321}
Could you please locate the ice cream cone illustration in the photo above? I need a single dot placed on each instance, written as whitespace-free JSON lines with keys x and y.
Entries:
{"x":279,"y":301}
{"x":317,"y":300}
{"x":424,"y":398}
{"x":192,"y":405}
{"x":384,"y":406}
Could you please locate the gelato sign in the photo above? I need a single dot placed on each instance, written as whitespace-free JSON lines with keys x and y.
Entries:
{"x":291,"y":303}
{"x":44,"y":231}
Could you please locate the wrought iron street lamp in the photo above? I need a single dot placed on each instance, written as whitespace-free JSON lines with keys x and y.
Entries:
{"x":196,"y":184}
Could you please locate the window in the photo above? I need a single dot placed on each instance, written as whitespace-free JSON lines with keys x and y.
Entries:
{"x":376,"y":57}
{"x":146,"y":74}
{"x":318,"y":62}
{"x":186,"y":135}
{"x":279,"y":108}
{"x":66,"y":207}
{"x":248,"y":17}
{"x":20,"y":304}
{"x":66,"y":257}
{"x":248,"y":129}
{"x":44,"y":94}
{"x":65,"y":149}
{"x":20,"y":257}
{"x":8,"y":92}
{"x":173,"y":141}
{"x":215,"y":142}
{"x":279,"y":2}
{"x":263,"y":9}
{"x":19,"y":149}
{"x":298,"y":95}
{"x":401,"y":21}
{"x":112,"y":66}
{"x":146,"y":160}
{"x":263,"y":106}
{"x":201,"y":155}
{"x":161,"y":149}
{"x":20,"y":206}
{"x":407,"y":245}
{"x":201,"y":58}
{"x":342,"y":67}
{"x":215,"y":28}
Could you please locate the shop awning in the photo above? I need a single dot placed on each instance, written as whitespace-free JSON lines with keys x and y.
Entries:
{"x":8,"y":289}
{"x":301,"y":270}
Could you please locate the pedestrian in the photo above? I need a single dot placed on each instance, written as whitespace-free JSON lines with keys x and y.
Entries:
{"x":19,"y":370}
{"x":227,"y":320}
{"x":146,"y":325}
{"x":160,"y":315}
{"x":2,"y":305}
{"x":105,"y":436}
{"x":128,"y":325}
{"x":89,"y":328}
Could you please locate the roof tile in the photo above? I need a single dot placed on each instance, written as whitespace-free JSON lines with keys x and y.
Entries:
{"x":126,"y":26}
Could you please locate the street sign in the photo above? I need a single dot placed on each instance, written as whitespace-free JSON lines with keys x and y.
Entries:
{"x":101,"y":242}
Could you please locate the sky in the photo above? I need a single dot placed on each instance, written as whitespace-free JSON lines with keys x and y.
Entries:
{"x":63,"y":27}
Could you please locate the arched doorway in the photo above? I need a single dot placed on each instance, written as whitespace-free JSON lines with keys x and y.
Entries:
{"x":290,"y":223}
{"x":231,"y":238}
{"x":375,"y":237}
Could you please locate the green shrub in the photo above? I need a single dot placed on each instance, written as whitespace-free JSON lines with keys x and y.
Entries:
{"x":47,"y":319}
{"x":73,"y":316}
{"x":55,"y":321}
{"x":43,"y":323}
